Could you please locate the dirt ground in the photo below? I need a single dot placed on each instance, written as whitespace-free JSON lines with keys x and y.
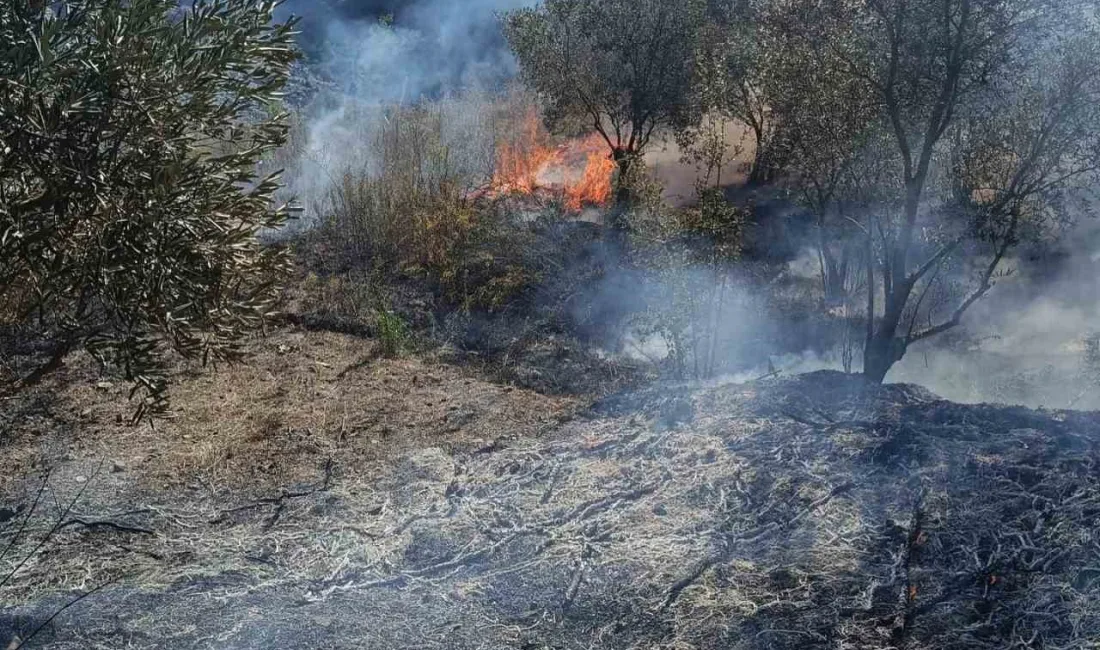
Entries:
{"x":321,"y":497}
{"x":298,"y":399}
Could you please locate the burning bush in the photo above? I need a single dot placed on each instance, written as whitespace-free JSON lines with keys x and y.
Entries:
{"x":424,"y":196}
{"x":412,"y":205}
{"x":578,"y":172}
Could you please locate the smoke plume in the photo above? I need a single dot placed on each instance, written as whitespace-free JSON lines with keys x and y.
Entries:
{"x":1023,"y":343}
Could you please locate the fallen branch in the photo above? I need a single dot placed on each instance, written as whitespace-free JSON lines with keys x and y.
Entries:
{"x":122,"y":528}
{"x":279,"y":501}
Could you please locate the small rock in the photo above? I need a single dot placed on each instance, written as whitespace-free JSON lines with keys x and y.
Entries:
{"x":117,"y":467}
{"x":104,"y":385}
{"x":81,"y":479}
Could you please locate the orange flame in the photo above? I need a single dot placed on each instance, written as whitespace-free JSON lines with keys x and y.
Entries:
{"x":580,"y":170}
{"x":594,"y":185}
{"x":519,"y":161}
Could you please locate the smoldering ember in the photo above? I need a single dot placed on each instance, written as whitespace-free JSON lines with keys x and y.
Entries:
{"x":550,"y":324}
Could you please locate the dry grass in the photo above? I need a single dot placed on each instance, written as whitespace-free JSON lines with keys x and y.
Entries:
{"x":212,"y":479}
{"x":300,"y":398}
{"x":778,"y":513}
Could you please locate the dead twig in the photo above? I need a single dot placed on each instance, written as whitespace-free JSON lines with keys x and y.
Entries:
{"x":53,"y":531}
{"x":23,"y":525}
{"x":730,"y":542}
{"x":19,"y":643}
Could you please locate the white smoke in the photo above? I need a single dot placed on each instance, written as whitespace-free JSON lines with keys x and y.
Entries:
{"x":376,"y":55}
{"x":1024,"y":342}
{"x":1021,"y":344}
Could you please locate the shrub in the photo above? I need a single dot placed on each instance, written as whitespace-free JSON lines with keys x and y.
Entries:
{"x":129,"y":200}
{"x":412,"y":203}
{"x":392,"y":332}
{"x":404,"y":206}
{"x":689,"y":253}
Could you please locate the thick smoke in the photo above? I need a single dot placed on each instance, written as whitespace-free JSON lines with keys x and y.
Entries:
{"x":387,"y":50}
{"x":369,"y":55}
{"x":1025,"y":341}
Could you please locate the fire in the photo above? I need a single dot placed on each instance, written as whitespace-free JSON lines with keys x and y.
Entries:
{"x":594,"y":185}
{"x":519,"y":161}
{"x":579,"y":170}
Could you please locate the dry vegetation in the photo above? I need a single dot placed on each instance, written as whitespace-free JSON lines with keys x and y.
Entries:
{"x":804,"y":513}
{"x":437,"y":441}
{"x":302,"y":398}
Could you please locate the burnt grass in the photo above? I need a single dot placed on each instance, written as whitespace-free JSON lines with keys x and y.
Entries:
{"x":814,"y":511}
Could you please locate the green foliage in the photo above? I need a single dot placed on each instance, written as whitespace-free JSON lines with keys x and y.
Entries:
{"x":927,"y":138}
{"x":392,"y":332}
{"x":622,"y":67}
{"x":991,"y":126}
{"x":130,"y":133}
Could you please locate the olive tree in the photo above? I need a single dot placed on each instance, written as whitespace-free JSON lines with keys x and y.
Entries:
{"x":739,"y":77}
{"x":991,"y":116}
{"x":130,"y":202}
{"x":622,"y":67}
{"x":824,"y":121}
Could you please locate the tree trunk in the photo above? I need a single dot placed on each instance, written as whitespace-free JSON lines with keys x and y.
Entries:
{"x":884,"y":348}
{"x":625,"y":197}
{"x":835,"y":278}
{"x":880,"y":354}
{"x":762,"y":168}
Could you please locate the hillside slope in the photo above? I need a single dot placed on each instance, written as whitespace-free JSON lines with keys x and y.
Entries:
{"x":811,"y":512}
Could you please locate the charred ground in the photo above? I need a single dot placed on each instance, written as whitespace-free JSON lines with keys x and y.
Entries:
{"x":813,"y":511}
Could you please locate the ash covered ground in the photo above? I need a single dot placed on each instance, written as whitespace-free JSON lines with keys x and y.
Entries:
{"x":815,"y":511}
